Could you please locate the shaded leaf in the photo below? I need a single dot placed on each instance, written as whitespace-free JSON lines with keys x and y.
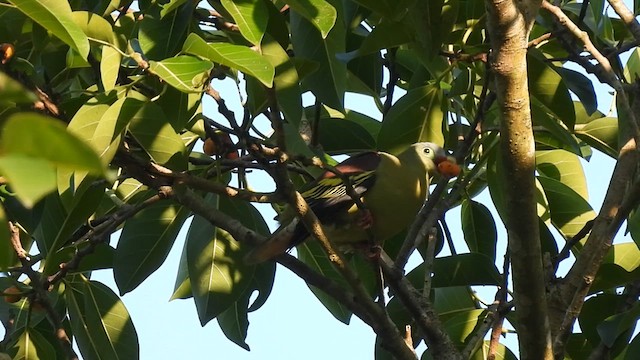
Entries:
{"x":479,"y":228}
{"x":418,"y":116}
{"x":145,"y":242}
{"x":328,"y":82}
{"x":569,"y":210}
{"x":565,"y":167}
{"x":101,"y":324}
{"x":162,"y":38}
{"x":461,"y":269}
{"x":602,"y":134}
{"x":31,"y":345}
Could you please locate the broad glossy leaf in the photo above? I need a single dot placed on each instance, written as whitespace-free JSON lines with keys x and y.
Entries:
{"x":479,"y":228}
{"x":459,"y":270}
{"x":542,"y":116}
{"x":617,"y":325}
{"x":625,"y":255}
{"x":31,"y":345}
{"x":182,"y":286}
{"x":581,"y":86}
{"x":162,"y":38}
{"x":234,"y":322}
{"x":52,"y":143}
{"x":548,"y":88}
{"x":632,"y":68}
{"x":109,"y":67}
{"x":320,"y":13}
{"x":56,"y":16}
{"x":634,"y":348}
{"x":185,"y":73}
{"x":460,"y":326}
{"x":101,"y":324}
{"x":286,"y":81}
{"x":152,"y":130}
{"x":565,"y":167}
{"x":145,"y":242}
{"x":602,"y":134}
{"x":251,"y":16}
{"x":569,"y":210}
{"x":95,"y":26}
{"x":179,"y":107}
{"x":218,"y":275}
{"x":597,"y":309}
{"x":328,"y":83}
{"x":449,"y":301}
{"x":234,"y":56}
{"x":311,"y":254}
{"x":30,"y":178}
{"x":415,"y":117}
{"x":339,"y":136}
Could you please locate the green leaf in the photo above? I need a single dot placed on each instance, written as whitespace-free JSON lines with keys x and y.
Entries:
{"x":615,"y":326}
{"x":625,"y":255}
{"x":479,"y":228}
{"x":569,"y":210}
{"x":457,"y":270}
{"x":286,"y":81}
{"x":548,"y":88}
{"x":13,"y":92}
{"x":634,"y":348}
{"x":56,"y":17}
{"x":179,"y":107}
{"x":30,"y":178}
{"x":449,"y":301}
{"x":101,"y":126}
{"x":185,"y":73}
{"x":320,"y":13}
{"x":310,"y":253}
{"x":234,"y":322}
{"x":31,"y":345}
{"x":100,"y":322}
{"x":182,"y":286}
{"x":339,"y":136}
{"x":632,"y":68}
{"x":109,"y":67}
{"x":52,"y":142}
{"x":463,"y":324}
{"x":234,"y":56}
{"x":152,"y":130}
{"x":565,"y":167}
{"x":251,"y":16}
{"x":581,"y":86}
{"x":328,"y":82}
{"x":95,"y":26}
{"x":162,"y":38}
{"x":218,"y":274}
{"x":602,"y":134}
{"x":145,"y":242}
{"x":417,"y":116}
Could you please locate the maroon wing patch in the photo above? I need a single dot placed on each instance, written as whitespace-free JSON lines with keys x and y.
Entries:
{"x":356,"y":164}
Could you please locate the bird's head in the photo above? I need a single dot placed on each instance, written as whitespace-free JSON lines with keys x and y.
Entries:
{"x":435,"y":159}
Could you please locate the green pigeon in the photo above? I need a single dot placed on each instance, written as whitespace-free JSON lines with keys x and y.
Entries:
{"x":392,"y":188}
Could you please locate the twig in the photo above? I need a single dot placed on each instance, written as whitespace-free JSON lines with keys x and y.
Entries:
{"x":627,"y":17}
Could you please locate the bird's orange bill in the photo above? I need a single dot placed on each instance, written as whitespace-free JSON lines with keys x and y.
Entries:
{"x":448,"y":168}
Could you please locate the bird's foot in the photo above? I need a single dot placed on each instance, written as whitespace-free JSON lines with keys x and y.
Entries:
{"x":374,"y":252}
{"x":366,"y":219}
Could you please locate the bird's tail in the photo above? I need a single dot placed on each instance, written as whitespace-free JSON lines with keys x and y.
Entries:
{"x":277,"y":244}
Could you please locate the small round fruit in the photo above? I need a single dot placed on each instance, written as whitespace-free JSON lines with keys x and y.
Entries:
{"x":6,"y":52}
{"x":210,"y":148}
{"x":12,"y":294}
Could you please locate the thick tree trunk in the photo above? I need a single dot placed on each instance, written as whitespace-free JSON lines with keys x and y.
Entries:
{"x":509,"y":25}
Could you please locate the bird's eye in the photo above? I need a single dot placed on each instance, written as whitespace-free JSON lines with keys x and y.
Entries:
{"x":427,"y":151}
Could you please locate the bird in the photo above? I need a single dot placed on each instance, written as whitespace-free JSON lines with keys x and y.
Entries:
{"x":392,"y":189}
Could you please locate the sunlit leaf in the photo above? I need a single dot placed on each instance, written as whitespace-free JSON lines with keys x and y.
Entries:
{"x":56,"y":17}
{"x":318,"y":12}
{"x":251,"y":17}
{"x":185,"y":73}
{"x":235,"y":56}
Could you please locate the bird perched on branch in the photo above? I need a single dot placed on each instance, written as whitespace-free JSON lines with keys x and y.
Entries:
{"x":391,"y":188}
